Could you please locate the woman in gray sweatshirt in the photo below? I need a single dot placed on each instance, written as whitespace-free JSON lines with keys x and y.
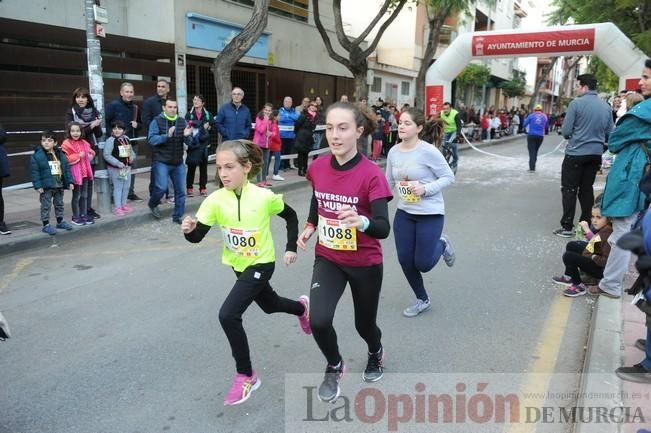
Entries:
{"x":420,"y":173}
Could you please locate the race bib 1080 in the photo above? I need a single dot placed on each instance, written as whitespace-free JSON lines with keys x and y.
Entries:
{"x":335,"y":235}
{"x":243,"y":242}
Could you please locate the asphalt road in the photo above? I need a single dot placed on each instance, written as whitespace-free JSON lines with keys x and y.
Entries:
{"x":118,"y":331}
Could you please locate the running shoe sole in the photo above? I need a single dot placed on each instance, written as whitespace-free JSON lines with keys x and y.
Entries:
{"x":561,"y":283}
{"x":255,"y":386}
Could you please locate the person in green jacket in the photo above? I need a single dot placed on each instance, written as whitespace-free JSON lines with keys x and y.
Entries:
{"x":622,"y":198}
{"x":452,"y":129}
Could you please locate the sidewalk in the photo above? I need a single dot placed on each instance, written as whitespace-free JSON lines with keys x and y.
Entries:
{"x":22,"y":213}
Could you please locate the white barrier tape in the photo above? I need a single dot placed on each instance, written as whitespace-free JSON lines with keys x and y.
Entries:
{"x":564,"y":141}
{"x":291,"y":156}
{"x":484,"y":152}
{"x":29,"y":152}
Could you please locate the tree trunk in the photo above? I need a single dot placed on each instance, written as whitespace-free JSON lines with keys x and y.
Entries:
{"x":361,"y":88}
{"x":237,"y":48}
{"x":569,"y":63}
{"x":543,"y":76}
{"x":435,"y":24}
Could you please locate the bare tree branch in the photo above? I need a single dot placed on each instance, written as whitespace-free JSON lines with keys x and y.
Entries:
{"x":339,"y":26}
{"x":326,"y":39}
{"x":367,"y":52}
{"x":383,"y":10}
{"x":237,"y":48}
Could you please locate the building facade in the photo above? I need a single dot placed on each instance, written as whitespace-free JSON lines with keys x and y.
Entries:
{"x":43,"y":58}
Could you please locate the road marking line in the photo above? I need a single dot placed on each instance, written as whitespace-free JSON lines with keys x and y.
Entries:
{"x":542,"y":369}
{"x":21,"y":264}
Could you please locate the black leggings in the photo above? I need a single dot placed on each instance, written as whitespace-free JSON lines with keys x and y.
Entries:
{"x":252,"y":285}
{"x":574,"y":261}
{"x":203,"y":175}
{"x":328,"y":284}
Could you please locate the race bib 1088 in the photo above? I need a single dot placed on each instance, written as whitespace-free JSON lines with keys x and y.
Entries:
{"x":335,"y":235}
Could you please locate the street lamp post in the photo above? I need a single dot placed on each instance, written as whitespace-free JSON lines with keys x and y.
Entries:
{"x":96,"y":88}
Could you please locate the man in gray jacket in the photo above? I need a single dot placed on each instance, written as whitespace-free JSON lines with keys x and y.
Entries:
{"x":587,"y":124}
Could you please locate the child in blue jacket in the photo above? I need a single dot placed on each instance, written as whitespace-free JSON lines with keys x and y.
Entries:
{"x":50,"y":176}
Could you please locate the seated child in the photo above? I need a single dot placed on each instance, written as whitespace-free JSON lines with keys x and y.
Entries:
{"x":589,"y":257}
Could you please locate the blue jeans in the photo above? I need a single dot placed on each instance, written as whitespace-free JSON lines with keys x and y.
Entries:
{"x":161,"y":173}
{"x":646,"y":362}
{"x":277,"y":160}
{"x":419,"y":246}
{"x":451,"y":139}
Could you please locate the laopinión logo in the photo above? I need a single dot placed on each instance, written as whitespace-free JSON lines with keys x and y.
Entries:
{"x":470,"y":406}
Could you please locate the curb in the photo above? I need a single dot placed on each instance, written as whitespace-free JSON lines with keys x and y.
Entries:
{"x":598,"y":379}
{"x":40,"y":240}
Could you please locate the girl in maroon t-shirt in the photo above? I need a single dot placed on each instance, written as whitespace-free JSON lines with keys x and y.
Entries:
{"x":350,"y":211}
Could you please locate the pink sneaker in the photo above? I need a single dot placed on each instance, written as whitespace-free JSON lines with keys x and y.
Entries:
{"x":118,"y":211}
{"x":242,"y":388}
{"x":127,"y":209}
{"x":304,"y":319}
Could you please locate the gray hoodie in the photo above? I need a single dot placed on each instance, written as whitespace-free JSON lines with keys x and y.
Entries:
{"x":587,"y":124}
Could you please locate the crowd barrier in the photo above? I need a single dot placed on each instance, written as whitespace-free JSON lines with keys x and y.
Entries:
{"x":103,"y":174}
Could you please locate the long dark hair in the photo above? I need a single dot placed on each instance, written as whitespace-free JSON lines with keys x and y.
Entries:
{"x":82,"y":91}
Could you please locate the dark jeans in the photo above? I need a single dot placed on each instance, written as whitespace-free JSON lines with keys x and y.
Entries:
{"x":162,"y":172}
{"x":252,"y":285}
{"x":89,"y":194}
{"x":134,"y":165}
{"x":2,"y":204}
{"x":203,"y":175}
{"x":287,"y":148}
{"x":79,"y":201}
{"x":49,"y":196}
{"x":574,"y":262}
{"x":328,"y":284}
{"x":577,"y":177}
{"x":533,"y":144}
{"x":301,"y":162}
{"x":646,"y":362}
{"x":419,"y":246}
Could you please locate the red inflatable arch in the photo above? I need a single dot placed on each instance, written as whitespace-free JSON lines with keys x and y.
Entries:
{"x":604,"y":40}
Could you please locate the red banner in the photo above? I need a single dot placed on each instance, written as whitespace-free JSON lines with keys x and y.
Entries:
{"x":434,"y":96}
{"x":533,"y":43}
{"x":632,"y":84}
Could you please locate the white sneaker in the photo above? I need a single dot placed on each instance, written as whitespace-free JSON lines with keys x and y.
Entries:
{"x":417,"y":308}
{"x":448,"y":254}
{"x":277,"y":177}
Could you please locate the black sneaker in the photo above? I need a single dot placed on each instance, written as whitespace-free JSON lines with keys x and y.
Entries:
{"x":374,"y":370}
{"x":636,"y":373}
{"x":155,"y":212}
{"x":563,"y":233}
{"x":94,"y":215}
{"x":3,"y":229}
{"x":133,"y":197}
{"x":329,"y":390}
{"x":640,"y":343}
{"x":177,"y":221}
